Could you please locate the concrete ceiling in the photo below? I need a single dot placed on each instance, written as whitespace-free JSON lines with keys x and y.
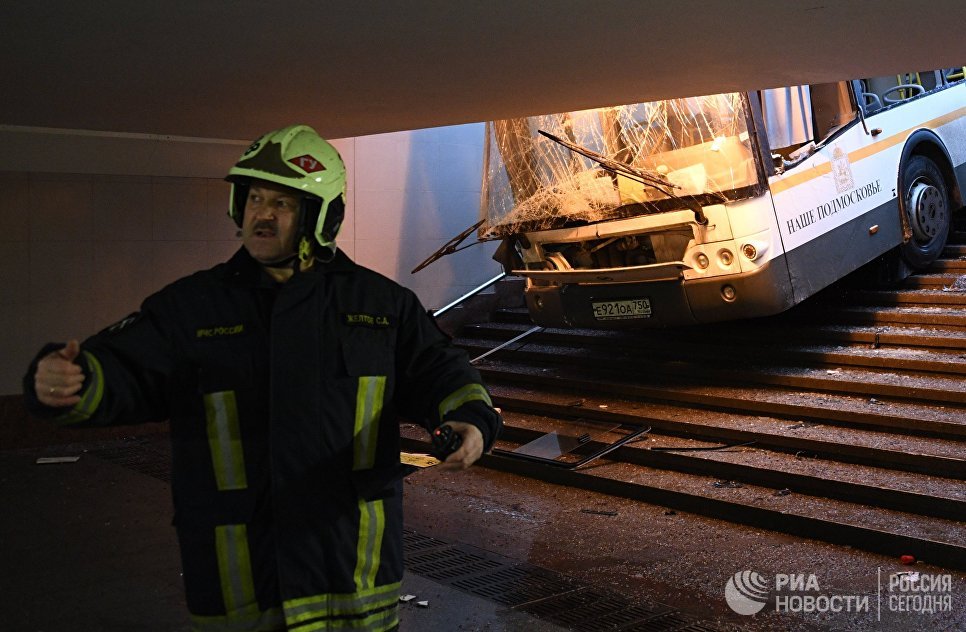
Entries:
{"x":236,"y":68}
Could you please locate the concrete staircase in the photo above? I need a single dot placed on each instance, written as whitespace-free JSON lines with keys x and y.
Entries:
{"x":504,"y":294}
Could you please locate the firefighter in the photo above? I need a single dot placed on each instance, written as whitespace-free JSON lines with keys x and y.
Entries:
{"x":284,"y":373}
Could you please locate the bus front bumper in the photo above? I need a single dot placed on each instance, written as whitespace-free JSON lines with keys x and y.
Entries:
{"x":636,"y":305}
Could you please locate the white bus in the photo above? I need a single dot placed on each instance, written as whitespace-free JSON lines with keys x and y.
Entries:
{"x":725,"y":206}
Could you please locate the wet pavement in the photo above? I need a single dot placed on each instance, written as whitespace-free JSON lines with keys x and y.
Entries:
{"x":88,"y":545}
{"x":652,"y":554}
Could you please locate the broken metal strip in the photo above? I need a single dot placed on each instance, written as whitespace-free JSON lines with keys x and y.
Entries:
{"x":606,"y":449}
{"x":468,"y":295}
{"x":507,"y":343}
{"x":710,"y":449}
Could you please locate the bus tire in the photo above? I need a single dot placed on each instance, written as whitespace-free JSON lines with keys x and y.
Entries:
{"x":925,"y":203}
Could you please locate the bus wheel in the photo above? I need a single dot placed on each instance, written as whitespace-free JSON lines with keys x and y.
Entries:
{"x":925,"y":201}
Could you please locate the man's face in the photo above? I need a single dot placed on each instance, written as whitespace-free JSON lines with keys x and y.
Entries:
{"x":271,"y":218}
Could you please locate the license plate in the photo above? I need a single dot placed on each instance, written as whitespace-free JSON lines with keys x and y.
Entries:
{"x":620,"y":310}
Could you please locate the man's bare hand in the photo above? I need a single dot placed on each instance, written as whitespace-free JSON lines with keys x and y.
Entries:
{"x":59,"y":378}
{"x":469,"y":451}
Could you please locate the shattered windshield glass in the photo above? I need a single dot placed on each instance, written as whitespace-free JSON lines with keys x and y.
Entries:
{"x":697,"y":146}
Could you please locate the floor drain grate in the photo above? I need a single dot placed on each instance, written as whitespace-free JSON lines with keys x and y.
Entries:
{"x":447,"y":564}
{"x":542,"y":593}
{"x":516,"y":586}
{"x":626,"y":618}
{"x":415,"y":542}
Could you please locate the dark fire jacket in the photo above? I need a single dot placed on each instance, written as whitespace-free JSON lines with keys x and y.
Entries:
{"x":284,"y":404}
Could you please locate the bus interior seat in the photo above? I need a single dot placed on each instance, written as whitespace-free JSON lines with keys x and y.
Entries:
{"x":879,"y":92}
{"x":909,"y":85}
{"x":901,"y":92}
{"x":872,"y":102}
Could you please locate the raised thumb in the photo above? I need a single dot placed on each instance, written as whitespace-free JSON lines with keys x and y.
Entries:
{"x":70,"y":351}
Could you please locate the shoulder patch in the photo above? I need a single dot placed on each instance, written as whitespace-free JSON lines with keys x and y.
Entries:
{"x":377,"y":321}
{"x":124,"y":323}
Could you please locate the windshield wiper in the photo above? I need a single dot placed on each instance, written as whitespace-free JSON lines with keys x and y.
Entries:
{"x":450,"y":247}
{"x":638,"y":175}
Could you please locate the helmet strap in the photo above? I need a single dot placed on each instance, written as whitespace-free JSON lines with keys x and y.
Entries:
{"x":308,"y":246}
{"x":305,"y":248}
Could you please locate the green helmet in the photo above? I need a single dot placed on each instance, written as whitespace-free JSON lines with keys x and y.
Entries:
{"x":298,"y":158}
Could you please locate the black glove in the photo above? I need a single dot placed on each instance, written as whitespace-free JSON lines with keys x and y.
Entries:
{"x":445,"y":441}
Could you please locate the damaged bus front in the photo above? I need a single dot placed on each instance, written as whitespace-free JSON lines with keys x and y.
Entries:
{"x":725,"y":206}
{"x":650,"y":214}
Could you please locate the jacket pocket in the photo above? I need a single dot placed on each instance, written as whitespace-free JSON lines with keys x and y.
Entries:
{"x":367,"y":356}
{"x":380,"y":483}
{"x":197,"y":508}
{"x":224,"y":367}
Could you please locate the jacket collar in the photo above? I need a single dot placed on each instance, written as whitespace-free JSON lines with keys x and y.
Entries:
{"x":244,"y":269}
{"x":339,"y":263}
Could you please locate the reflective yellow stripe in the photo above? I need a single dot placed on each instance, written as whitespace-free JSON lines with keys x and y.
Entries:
{"x":235,"y":569}
{"x":372,"y":518}
{"x":783,"y":183}
{"x":376,"y":622}
{"x":372,"y":524}
{"x":224,"y":440}
{"x":271,"y":620}
{"x":374,"y":609}
{"x":92,"y":395}
{"x":369,"y":400}
{"x":462,"y":395}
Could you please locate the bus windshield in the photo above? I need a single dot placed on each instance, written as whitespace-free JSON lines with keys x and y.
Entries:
{"x":696,"y":148}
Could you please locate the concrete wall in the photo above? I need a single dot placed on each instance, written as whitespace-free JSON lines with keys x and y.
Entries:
{"x":91,"y":223}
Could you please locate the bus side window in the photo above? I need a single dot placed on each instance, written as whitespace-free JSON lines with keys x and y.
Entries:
{"x":869,"y":101}
{"x":930,"y":79}
{"x":831,"y":107}
{"x":787,"y":116}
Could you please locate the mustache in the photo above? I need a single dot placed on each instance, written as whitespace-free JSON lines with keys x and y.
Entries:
{"x":265,"y":224}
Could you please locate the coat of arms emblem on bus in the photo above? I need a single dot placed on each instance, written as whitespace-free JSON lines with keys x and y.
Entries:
{"x":842,"y":171}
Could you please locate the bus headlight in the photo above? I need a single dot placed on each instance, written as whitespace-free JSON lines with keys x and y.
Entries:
{"x":728,"y":293}
{"x":749,"y":251}
{"x":702,"y":260}
{"x":726,"y":257}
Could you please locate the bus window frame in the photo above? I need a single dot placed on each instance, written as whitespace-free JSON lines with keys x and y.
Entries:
{"x":778,"y":164}
{"x":759,"y":136}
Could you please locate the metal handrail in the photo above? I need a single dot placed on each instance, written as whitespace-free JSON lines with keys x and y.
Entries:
{"x":507,"y":343}
{"x":442,"y":310}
